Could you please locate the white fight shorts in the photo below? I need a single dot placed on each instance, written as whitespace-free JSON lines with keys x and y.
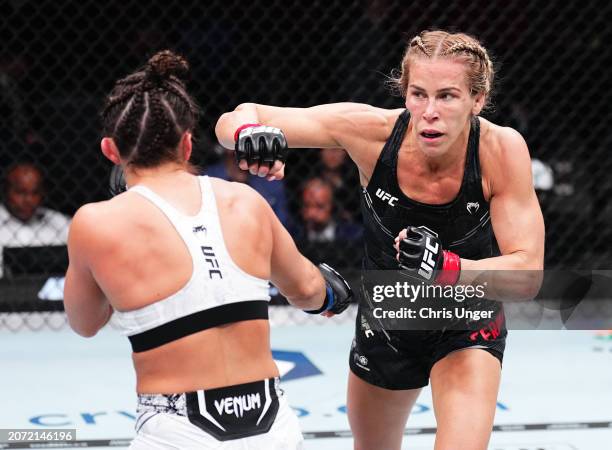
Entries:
{"x":254,"y":416}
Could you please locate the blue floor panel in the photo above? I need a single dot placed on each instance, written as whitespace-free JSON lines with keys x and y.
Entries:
{"x":557,"y":382}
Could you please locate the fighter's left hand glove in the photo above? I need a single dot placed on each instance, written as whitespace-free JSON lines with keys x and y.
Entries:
{"x":420,"y":254}
{"x":339,"y":293}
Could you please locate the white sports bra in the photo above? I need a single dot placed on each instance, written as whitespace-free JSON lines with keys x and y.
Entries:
{"x":218,"y":292}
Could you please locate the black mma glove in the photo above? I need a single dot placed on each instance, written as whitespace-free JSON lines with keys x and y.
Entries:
{"x":116,"y":181}
{"x":421,"y":255}
{"x":339,"y":293}
{"x":260,"y":144}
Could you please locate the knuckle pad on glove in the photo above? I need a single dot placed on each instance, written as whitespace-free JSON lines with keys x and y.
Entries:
{"x":243,"y":150}
{"x":409,"y":247}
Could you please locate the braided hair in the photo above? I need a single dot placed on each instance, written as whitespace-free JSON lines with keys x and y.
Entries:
{"x":441,"y":44}
{"x":147,"y":112}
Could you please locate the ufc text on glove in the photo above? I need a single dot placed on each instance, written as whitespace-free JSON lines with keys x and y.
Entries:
{"x":421,"y":255}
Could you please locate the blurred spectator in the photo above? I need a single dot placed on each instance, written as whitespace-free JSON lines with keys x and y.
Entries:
{"x":323,"y":236}
{"x":319,"y":219}
{"x":23,"y":221}
{"x":272,"y":191}
{"x":338,"y":170}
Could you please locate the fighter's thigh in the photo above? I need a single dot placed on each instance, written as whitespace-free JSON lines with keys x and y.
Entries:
{"x":464,"y":387}
{"x":378,"y":416}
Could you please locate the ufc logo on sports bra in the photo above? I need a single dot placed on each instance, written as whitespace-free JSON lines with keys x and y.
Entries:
{"x":386,"y":197}
{"x":211,"y":259}
{"x":428,"y":263}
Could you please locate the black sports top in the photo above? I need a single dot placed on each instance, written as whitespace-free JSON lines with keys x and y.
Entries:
{"x":464,"y":224}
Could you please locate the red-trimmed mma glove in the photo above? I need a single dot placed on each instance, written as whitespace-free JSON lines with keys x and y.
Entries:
{"x":421,"y":255}
{"x":338,"y":293}
{"x":260,"y":144}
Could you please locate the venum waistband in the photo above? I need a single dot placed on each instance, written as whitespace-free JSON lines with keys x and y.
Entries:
{"x":226,"y":413}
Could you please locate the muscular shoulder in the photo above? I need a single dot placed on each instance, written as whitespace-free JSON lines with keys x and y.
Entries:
{"x":110,"y":220}
{"x":238,"y":199}
{"x":92,"y":228}
{"x":362,"y":132}
{"x":367,"y":121}
{"x":503,"y":154}
{"x":500,"y":140}
{"x":247,"y":220}
{"x":99,"y":216}
{"x":231,"y":192}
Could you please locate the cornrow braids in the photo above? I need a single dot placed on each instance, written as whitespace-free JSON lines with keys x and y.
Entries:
{"x":128,"y":128}
{"x":142,"y":125}
{"x":441,"y":44}
{"x":156,"y":139}
{"x":180,"y":93}
{"x":418,"y":43}
{"x":117,"y":100}
{"x":476,"y":50}
{"x":483,"y":79}
{"x":170,"y":113}
{"x":473,"y":49}
{"x":148,"y":111}
{"x":133,"y":79}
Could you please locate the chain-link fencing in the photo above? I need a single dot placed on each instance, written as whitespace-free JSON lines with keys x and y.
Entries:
{"x":59,"y":59}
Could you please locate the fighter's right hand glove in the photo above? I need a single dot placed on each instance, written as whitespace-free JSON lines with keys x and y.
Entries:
{"x":421,"y":256}
{"x":338,"y":293}
{"x":260,"y":144}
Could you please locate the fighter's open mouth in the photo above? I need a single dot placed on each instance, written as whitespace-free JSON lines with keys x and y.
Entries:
{"x":431,"y":135}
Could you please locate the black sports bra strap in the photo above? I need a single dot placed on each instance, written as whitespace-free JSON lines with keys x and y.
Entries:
{"x":473,"y":162}
{"x":391,"y":148}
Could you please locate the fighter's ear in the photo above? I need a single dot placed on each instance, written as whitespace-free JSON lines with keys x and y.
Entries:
{"x":110,"y":150}
{"x":479,"y":101}
{"x":186,"y":145}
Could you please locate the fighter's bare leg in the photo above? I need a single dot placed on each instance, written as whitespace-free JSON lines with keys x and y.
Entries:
{"x":378,"y":416}
{"x":464,"y":387}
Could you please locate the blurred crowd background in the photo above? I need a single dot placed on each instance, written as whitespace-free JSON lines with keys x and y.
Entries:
{"x":59,"y":59}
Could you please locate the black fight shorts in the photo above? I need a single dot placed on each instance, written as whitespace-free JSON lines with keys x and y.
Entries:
{"x":403,"y":359}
